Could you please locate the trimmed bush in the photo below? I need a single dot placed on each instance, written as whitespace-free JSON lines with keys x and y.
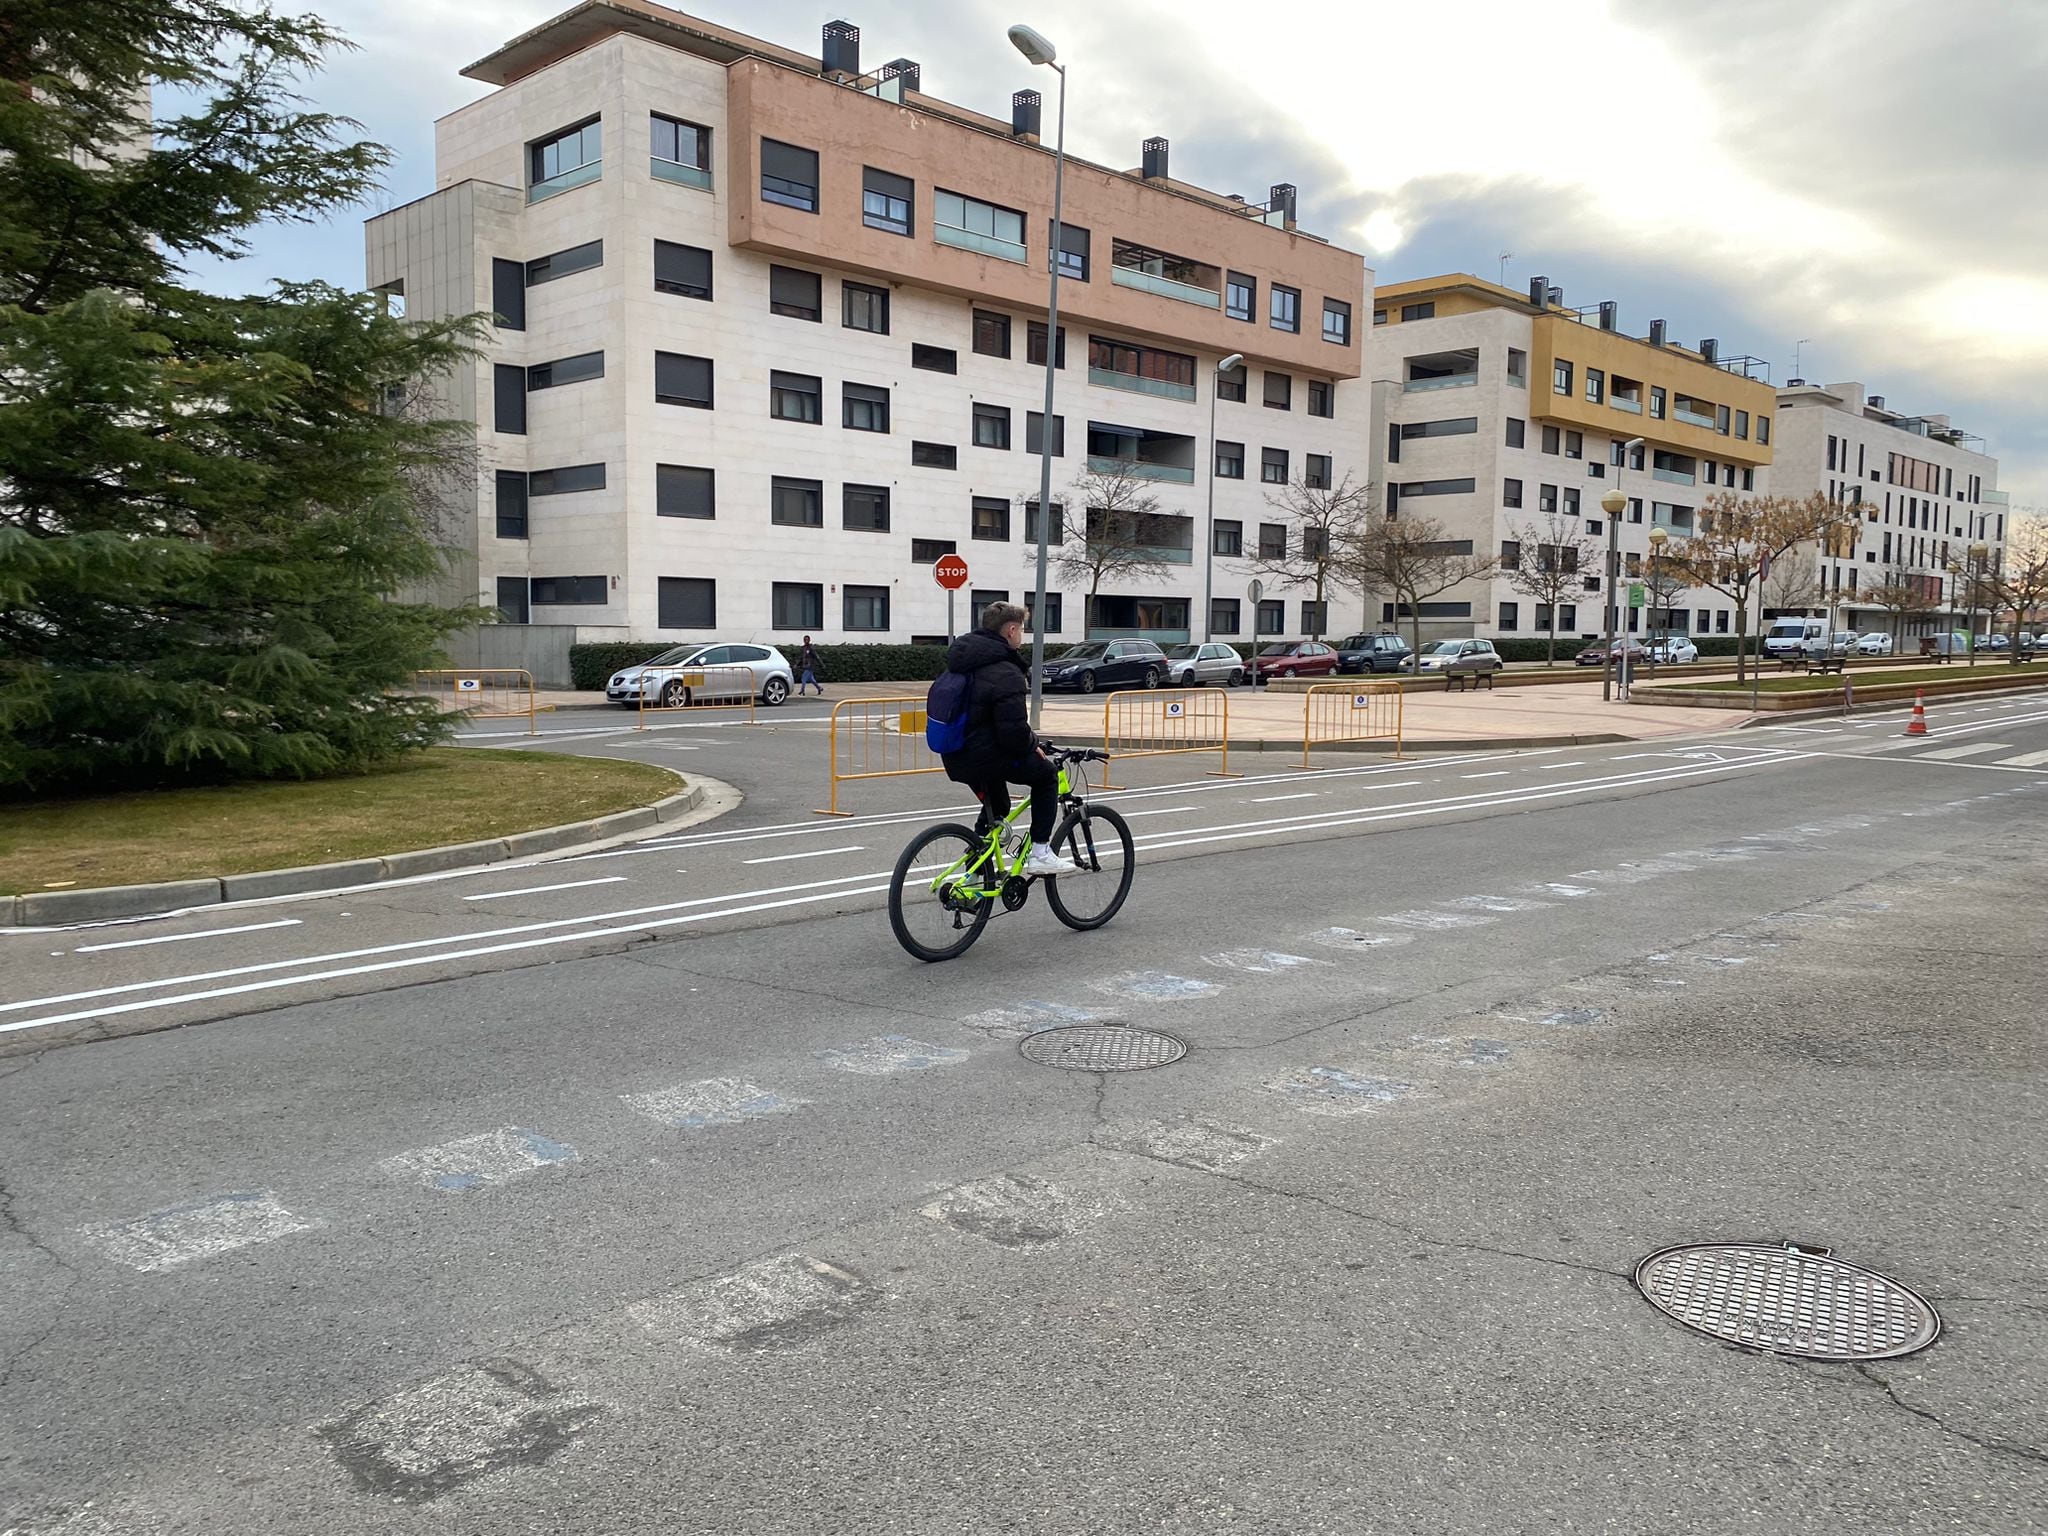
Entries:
{"x":591,"y":665}
{"x":1537,"y":650}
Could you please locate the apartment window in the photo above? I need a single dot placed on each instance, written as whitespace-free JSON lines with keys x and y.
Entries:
{"x":1272,"y":617}
{"x":1379,"y":317}
{"x":1056,"y":527}
{"x":927,"y":551}
{"x":1272,"y":541}
{"x":566,"y":370}
{"x":1073,"y":244}
{"x":1742,"y":431}
{"x":1518,"y":367}
{"x":991,"y":518}
{"x":1337,"y":322}
{"x":1223,"y":613}
{"x":1322,"y":397}
{"x":1749,"y":479}
{"x":1279,"y":390}
{"x":1656,"y":402}
{"x":796,"y":503}
{"x":1240,"y":295}
{"x":511,"y":504}
{"x":1231,"y":382}
{"x":789,"y":175}
{"x":991,"y":426}
{"x":1315,"y":471}
{"x":1596,"y":385}
{"x":1228,"y":538}
{"x":934,"y":456}
{"x":1034,"y":430}
{"x":1510,"y":618}
{"x":1315,"y":617}
{"x":798,"y":605}
{"x":1574,"y":445}
{"x":1568,"y":615}
{"x":865,"y":608}
{"x":1135,"y":362}
{"x":1229,"y":460}
{"x":1449,"y":426}
{"x":1034,"y":345}
{"x":864,"y":407}
{"x":885,"y":201}
{"x":1723,"y":418}
{"x":934,"y":359}
{"x":862,"y":308}
{"x":682,"y":380}
{"x":795,"y":293}
{"x":686,"y":602}
{"x":1543,"y":624}
{"x":1511,"y":493}
{"x":1424,"y":311}
{"x":568,"y":159}
{"x":508,"y":295}
{"x":1571,"y":503}
{"x":682,"y":269}
{"x":679,"y":146}
{"x":1551,"y":439}
{"x":685,"y":490}
{"x":973,"y":225}
{"x":991,"y":334}
{"x":1763,"y":428}
{"x":508,"y":398}
{"x":1273,"y":466}
{"x":578,"y":258}
{"x":864,"y":508}
{"x":1454,"y":487}
{"x":1561,"y":377}
{"x":1285,"y":310}
{"x":1546,"y":498}
{"x":569,"y":591}
{"x":796,"y":397}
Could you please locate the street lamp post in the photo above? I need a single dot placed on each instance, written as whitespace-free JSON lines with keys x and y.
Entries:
{"x":1614,"y":503}
{"x":1035,"y":47}
{"x":1978,"y":551}
{"x":1235,"y":359}
{"x":1658,"y":536}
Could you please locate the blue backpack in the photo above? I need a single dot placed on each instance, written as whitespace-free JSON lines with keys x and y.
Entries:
{"x":945,"y":712}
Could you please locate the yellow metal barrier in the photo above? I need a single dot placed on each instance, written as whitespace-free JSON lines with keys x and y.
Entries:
{"x":876,"y":739}
{"x":482,"y":693}
{"x":1335,"y":712}
{"x":697,"y":689}
{"x":1159,"y":722}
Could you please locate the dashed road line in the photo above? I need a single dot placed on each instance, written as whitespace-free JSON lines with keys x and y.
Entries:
{"x":541,"y":890}
{"x":179,"y":938}
{"x":815,"y":853}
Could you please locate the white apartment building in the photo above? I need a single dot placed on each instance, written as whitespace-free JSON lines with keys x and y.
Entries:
{"x":1496,"y":410}
{"x":1929,"y":493}
{"x":771,"y":333}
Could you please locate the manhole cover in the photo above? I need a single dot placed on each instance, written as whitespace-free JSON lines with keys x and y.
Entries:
{"x":1787,"y":1300}
{"x":1102,"y":1048}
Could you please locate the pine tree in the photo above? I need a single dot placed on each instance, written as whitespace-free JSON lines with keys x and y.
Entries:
{"x":206,"y":504}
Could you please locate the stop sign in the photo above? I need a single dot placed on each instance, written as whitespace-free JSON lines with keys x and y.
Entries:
{"x":950,"y":572}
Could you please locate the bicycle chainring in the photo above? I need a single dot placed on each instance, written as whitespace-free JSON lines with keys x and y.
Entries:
{"x":1015,"y":893}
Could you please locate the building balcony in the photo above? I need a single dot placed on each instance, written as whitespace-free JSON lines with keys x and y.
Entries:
{"x":1518,"y":381}
{"x":1105,"y":464}
{"x":1675,"y":476}
{"x":986,"y":245}
{"x":1159,"y":637}
{"x":682,"y":175}
{"x":1162,"y":388}
{"x":1692,"y":418}
{"x":583,"y":175}
{"x":1165,"y":287}
{"x":1445,"y":381}
{"x":1633,"y":407}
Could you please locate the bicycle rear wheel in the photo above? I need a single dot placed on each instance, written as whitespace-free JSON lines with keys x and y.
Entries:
{"x":1097,"y":841}
{"x":931,"y":918}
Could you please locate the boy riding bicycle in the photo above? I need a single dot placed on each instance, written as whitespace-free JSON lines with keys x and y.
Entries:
{"x":1000,"y":747}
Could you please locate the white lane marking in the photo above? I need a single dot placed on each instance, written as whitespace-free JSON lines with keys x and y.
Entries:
{"x":1577,"y":762}
{"x":1971,"y":749}
{"x":537,"y":890}
{"x":770,"y":1303}
{"x":714,"y":1101}
{"x":1155,"y":987}
{"x":1498,"y":773}
{"x":815,"y":853}
{"x":890,"y":1053}
{"x":1169,"y":810}
{"x":1307,"y":794}
{"x":470,"y":1162}
{"x":1011,"y":1210}
{"x":179,"y":938}
{"x":167,"y":1238}
{"x":2024,"y":760}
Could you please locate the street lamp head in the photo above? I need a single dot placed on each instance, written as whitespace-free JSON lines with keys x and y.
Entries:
{"x":1230,"y":362}
{"x":1033,"y":45}
{"x":1979,"y":550}
{"x":1632,"y":443}
{"x":1614,"y":503}
{"x":1658,"y":536}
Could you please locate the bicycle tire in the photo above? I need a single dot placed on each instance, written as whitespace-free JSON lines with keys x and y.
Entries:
{"x":1068,"y":841}
{"x":917,"y":853}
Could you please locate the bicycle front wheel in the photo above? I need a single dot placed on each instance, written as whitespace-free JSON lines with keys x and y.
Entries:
{"x":1097,"y":842}
{"x":932,"y":902}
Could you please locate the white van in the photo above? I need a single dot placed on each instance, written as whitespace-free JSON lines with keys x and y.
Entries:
{"x":1789,"y":635}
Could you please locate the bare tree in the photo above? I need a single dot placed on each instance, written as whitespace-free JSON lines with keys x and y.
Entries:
{"x":1122,"y":534}
{"x":1323,"y":521}
{"x":1412,"y":559}
{"x":1736,"y":538}
{"x":1663,"y":582}
{"x":1544,"y":561}
{"x":1901,"y":594}
{"x":2017,"y":584}
{"x":1794,"y":579}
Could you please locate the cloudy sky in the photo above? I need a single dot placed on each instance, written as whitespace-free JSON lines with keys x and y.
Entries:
{"x":1869,"y":177}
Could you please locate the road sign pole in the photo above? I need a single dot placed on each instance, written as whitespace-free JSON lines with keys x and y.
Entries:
{"x":951,"y":628}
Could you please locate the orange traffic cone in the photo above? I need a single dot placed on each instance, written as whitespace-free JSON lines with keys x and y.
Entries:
{"x":1918,"y":725}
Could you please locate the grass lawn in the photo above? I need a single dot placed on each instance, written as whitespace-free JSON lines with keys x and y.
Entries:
{"x":448,"y":795}
{"x":1831,"y":682}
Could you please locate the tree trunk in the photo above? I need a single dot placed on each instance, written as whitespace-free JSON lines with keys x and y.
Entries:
{"x":1741,"y":640}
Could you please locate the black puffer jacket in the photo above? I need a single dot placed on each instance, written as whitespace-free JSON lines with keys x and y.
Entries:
{"x":998,"y":719}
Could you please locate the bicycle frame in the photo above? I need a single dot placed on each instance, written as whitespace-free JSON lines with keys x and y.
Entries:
{"x":1073,"y":791}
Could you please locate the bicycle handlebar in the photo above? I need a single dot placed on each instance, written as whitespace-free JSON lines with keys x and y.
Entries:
{"x":1077,"y":754}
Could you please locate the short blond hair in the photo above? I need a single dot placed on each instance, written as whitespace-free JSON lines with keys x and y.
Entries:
{"x":996,"y":615}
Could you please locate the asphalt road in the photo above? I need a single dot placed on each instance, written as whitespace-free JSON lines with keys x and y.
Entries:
{"x":687,"y":1202}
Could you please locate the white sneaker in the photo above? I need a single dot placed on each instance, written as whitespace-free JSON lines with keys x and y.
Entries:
{"x":1044,"y":861}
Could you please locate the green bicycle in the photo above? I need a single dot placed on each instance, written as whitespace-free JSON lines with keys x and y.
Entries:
{"x":948,"y":881}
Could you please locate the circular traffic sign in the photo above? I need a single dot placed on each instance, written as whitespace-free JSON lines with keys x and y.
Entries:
{"x":1257,"y":589}
{"x":950,"y":572}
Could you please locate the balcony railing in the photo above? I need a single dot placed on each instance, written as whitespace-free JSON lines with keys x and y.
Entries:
{"x":1633,"y":407}
{"x":582,"y":175}
{"x":1104,"y":464}
{"x":987,"y":245}
{"x":1159,"y":637}
{"x":1675,"y":476}
{"x":682,"y":175}
{"x":1165,"y":389}
{"x":1165,"y":287}
{"x":1691,"y":418}
{"x":1172,"y":554}
{"x":1519,"y":380}
{"x":1445,"y":381}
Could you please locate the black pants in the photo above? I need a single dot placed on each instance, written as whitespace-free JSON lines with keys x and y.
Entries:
{"x":1044,"y":782}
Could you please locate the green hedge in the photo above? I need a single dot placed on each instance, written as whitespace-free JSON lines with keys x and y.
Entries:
{"x":591,"y":665}
{"x":1568,"y":646}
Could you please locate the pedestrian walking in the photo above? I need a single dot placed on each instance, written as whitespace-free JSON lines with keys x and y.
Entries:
{"x":807,"y":669}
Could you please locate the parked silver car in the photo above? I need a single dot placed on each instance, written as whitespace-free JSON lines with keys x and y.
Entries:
{"x":1196,"y":666}
{"x":666,"y":680}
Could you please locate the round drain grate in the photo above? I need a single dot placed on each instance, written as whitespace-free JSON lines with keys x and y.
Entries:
{"x":1787,"y":1300}
{"x":1102,"y":1048}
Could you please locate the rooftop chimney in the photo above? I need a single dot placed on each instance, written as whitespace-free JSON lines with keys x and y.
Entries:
{"x":1656,"y":333}
{"x":1282,"y":198}
{"x":1556,"y":296}
{"x":1710,"y":350}
{"x":1153,"y":166}
{"x":1024,"y":114}
{"x":1538,"y":287}
{"x":1795,"y":383}
{"x":1877,"y":402}
{"x":1609,"y":313}
{"x":841,"y":53}
{"x":907,"y":71}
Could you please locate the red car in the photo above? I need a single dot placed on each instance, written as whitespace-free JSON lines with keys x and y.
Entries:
{"x":1296,"y":658}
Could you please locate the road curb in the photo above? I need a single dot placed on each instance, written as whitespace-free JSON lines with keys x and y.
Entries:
{"x":108,"y":902}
